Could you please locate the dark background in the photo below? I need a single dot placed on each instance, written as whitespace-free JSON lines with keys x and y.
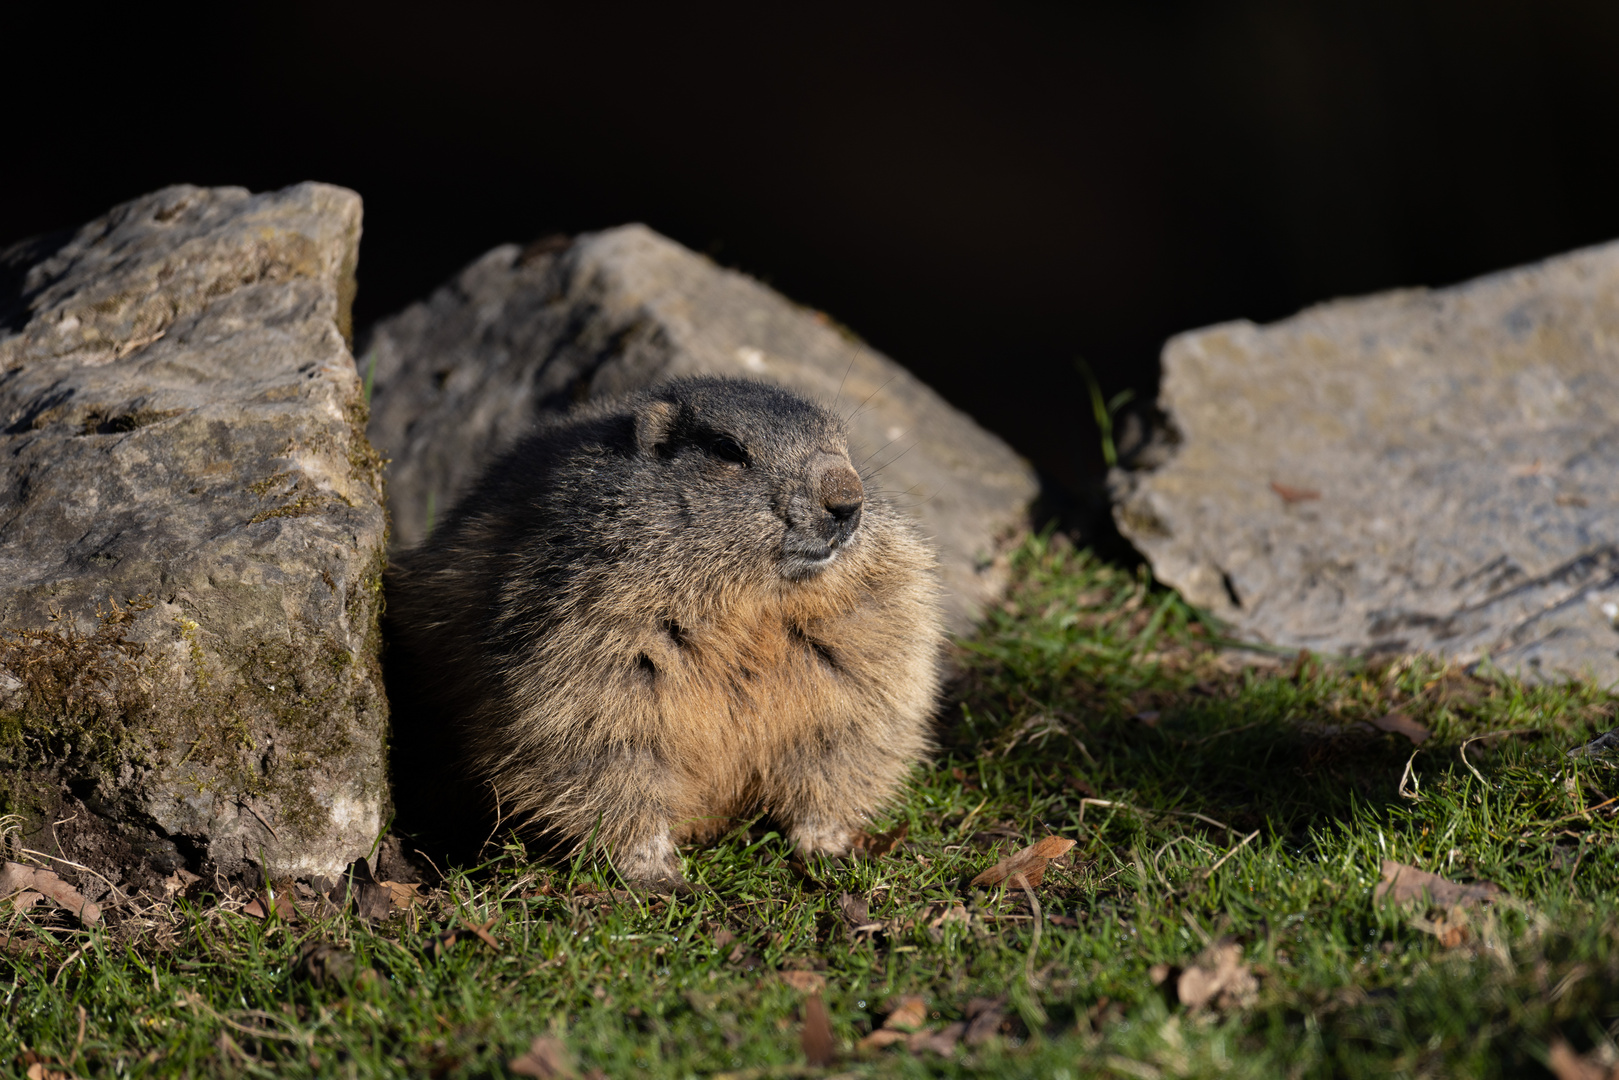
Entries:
{"x":983,"y":194}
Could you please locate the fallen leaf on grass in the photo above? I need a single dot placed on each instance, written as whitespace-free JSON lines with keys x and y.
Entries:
{"x":402,"y":895}
{"x":907,"y":1012}
{"x":880,"y":1038}
{"x":372,"y":899}
{"x":984,"y":1019}
{"x":1081,"y":785}
{"x":1027,"y":866}
{"x":545,"y":1059}
{"x":40,"y":1068}
{"x":1219,"y":977}
{"x":1291,"y":494}
{"x":16,"y":878}
{"x":604,"y":897}
{"x":482,"y":931}
{"x":907,"y":1023}
{"x":816,"y":1036}
{"x":1565,"y":1064}
{"x":325,"y":964}
{"x":444,"y":942}
{"x":876,"y":845}
{"x":806,"y":982}
{"x":743,"y":957}
{"x":264,"y":905}
{"x":178,"y":882}
{"x":12,"y":945}
{"x":857,"y":913}
{"x":1397,"y":723}
{"x":1407,"y":885}
{"x":1451,"y":928}
{"x":941,"y":1042}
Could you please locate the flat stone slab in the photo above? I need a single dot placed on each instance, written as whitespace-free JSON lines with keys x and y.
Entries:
{"x":1418,"y":471}
{"x":461,"y":375}
{"x":191,"y":540}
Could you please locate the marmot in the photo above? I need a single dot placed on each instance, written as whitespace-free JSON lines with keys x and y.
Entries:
{"x":657,"y":613}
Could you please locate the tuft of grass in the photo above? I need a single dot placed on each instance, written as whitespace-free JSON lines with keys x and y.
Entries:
{"x":1213,"y":795}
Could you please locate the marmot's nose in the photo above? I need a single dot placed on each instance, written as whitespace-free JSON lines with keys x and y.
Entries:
{"x":840,"y":491}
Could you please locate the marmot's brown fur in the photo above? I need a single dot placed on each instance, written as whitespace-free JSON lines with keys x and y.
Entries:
{"x":660,"y":612}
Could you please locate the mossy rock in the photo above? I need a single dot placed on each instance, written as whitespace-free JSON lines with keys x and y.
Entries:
{"x":193,"y":537}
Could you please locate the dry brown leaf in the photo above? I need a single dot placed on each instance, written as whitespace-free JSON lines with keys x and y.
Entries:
{"x":324,"y":963}
{"x":1565,"y":1064}
{"x":1398,"y":723}
{"x":444,"y":942}
{"x":816,"y":1036}
{"x":482,"y":931}
{"x":907,"y":1012}
{"x":880,"y":1038}
{"x":1407,"y":885}
{"x":178,"y":882}
{"x":12,"y":945}
{"x":1453,"y":934}
{"x":1027,"y":865}
{"x":984,"y":1019}
{"x":39,"y":1070}
{"x":1292,"y":494}
{"x":876,"y":845}
{"x":1219,"y":978}
{"x":806,"y":982}
{"x":955,"y":913}
{"x":723,"y":937}
{"x":402,"y":895}
{"x":856,"y":913}
{"x":264,"y":905}
{"x":941,"y":1042}
{"x":545,"y":1059}
{"x":16,"y":878}
{"x":372,"y":900}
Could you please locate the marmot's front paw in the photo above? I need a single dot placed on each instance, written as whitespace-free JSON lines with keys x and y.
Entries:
{"x":812,"y":835}
{"x":652,"y":865}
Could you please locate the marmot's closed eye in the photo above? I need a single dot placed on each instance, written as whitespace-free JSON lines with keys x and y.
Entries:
{"x":660,"y":612}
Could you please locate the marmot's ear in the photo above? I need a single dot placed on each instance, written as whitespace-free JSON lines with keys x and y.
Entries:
{"x":652,"y":426}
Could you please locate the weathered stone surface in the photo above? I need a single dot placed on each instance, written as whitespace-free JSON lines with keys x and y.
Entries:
{"x":191,"y":539}
{"x":459,"y":376}
{"x":1417,"y":471}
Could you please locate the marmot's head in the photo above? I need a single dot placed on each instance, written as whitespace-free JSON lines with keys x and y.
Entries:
{"x":760,"y":473}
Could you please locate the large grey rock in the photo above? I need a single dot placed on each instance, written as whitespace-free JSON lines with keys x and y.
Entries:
{"x":460,"y":376}
{"x":191,"y":539}
{"x":1464,"y":445}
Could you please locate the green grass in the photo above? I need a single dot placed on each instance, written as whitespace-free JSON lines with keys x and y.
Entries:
{"x":1041,"y":734}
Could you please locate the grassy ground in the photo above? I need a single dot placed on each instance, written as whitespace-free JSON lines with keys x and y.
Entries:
{"x":1093,"y":708}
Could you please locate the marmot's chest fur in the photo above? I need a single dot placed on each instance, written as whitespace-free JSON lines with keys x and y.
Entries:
{"x":663,"y":611}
